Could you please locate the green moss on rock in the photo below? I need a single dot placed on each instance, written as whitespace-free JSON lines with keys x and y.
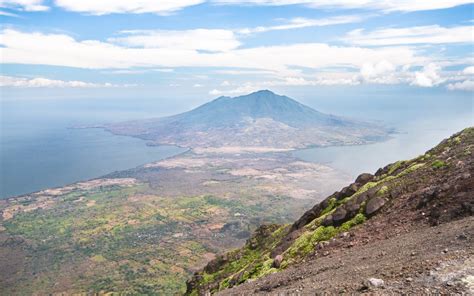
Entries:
{"x":304,"y":244}
{"x":438,"y":164}
{"x":331,"y":205}
{"x":358,"y":219}
{"x":383,"y":190}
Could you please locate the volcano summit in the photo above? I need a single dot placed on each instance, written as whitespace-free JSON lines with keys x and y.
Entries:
{"x":259,"y":119}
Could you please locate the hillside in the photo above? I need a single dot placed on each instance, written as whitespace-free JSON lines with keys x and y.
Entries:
{"x":407,"y":228}
{"x":259,"y":119}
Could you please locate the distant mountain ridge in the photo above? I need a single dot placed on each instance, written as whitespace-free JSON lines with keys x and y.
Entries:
{"x":259,"y":119}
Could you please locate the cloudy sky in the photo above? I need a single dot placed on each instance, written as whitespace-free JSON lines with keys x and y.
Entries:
{"x":231,"y":47}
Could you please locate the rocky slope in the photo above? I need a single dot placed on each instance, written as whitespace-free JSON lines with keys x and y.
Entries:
{"x":259,"y":119}
{"x":408,"y":228}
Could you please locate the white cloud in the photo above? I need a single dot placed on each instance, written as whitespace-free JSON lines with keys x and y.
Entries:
{"x":198,"y":39}
{"x":382,"y":72}
{"x":468,"y":70}
{"x":39,"y":82}
{"x":429,"y":76}
{"x":4,"y":13}
{"x":163,"y":7}
{"x":413,"y":35}
{"x":137,"y":71}
{"x":320,"y":79}
{"x":28,"y":5}
{"x":198,"y":85}
{"x":243,"y":89}
{"x":466,"y":85}
{"x":100,"y":7}
{"x":164,"y":70}
{"x":63,"y":50}
{"x":244,"y":72}
{"x":297,"y":23}
{"x":385,"y":5}
{"x":325,"y":79}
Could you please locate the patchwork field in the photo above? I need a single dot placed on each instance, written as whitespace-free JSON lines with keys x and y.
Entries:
{"x":147,"y":229}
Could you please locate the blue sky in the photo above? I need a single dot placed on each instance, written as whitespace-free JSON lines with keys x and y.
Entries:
{"x":71,"y":48}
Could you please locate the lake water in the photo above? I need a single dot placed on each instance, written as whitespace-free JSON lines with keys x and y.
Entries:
{"x":407,"y":144}
{"x":38,"y":150}
{"x":421,"y":123}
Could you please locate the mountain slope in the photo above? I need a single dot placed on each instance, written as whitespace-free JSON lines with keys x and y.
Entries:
{"x":409,"y":227}
{"x":260,"y":119}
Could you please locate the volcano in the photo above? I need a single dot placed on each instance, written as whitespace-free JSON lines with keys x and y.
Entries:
{"x":259,"y":119}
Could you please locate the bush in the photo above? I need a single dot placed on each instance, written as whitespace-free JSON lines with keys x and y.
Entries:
{"x":438,"y":164}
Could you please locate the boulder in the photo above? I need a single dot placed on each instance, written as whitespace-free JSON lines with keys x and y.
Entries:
{"x":375,"y":282}
{"x":339,"y":215}
{"x":277,"y":261}
{"x":215,"y":264}
{"x":327,"y":221}
{"x":427,"y":195}
{"x":364,"y":178}
{"x":348,"y":191}
{"x":352,"y":207}
{"x":374,"y":204}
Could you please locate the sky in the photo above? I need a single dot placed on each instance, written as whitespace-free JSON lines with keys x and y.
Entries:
{"x":208,"y":48}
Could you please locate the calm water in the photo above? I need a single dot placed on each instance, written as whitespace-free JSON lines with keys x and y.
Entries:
{"x":355,"y":160}
{"x":421,"y":124}
{"x":38,"y":149}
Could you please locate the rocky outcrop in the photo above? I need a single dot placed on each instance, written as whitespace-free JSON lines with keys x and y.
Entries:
{"x":347,"y":191}
{"x":374,"y":204}
{"x":432,"y":189}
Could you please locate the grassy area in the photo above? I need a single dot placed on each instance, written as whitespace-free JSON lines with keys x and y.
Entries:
{"x":128,"y":239}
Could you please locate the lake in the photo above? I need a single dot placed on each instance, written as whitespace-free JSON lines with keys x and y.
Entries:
{"x":38,"y":149}
{"x":406,"y":144}
{"x":421,"y":123}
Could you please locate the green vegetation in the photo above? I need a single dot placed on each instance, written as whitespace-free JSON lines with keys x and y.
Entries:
{"x":358,"y":219}
{"x":306,"y":242}
{"x":438,"y":164}
{"x":457,"y":140}
{"x":383,"y":190}
{"x":330,"y":207}
{"x":250,"y":262}
{"x":395,"y":167}
{"x":131,"y":240}
{"x":410,"y":169}
{"x":467,"y":151}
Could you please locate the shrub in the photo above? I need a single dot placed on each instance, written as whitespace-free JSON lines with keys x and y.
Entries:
{"x":358,"y":219}
{"x":383,"y":190}
{"x":438,"y":164}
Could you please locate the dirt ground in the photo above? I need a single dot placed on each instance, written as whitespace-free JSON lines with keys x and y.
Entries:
{"x":428,"y":261}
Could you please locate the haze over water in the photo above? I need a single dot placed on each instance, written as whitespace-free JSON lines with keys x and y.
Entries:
{"x":39,"y":150}
{"x":421,"y":123}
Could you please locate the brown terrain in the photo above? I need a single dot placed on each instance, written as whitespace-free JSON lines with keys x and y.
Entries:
{"x":146,"y":230}
{"x":426,"y":261}
{"x":408,"y":229}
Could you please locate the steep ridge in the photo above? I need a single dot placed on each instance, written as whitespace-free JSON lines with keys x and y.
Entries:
{"x":259,"y":119}
{"x":409,"y":227}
